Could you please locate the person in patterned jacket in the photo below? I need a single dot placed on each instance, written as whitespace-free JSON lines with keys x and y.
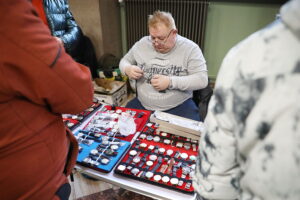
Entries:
{"x":251,"y":146}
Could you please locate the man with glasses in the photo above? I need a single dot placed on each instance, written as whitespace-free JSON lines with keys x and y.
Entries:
{"x":167,"y":68}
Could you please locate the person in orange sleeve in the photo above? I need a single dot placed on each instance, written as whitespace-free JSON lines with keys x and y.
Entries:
{"x":39,"y":82}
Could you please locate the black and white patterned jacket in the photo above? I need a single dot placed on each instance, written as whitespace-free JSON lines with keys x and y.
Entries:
{"x":251,"y":148}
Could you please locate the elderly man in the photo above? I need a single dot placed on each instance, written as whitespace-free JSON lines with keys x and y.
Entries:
{"x":167,"y":68}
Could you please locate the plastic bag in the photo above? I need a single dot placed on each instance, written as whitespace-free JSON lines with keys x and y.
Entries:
{"x":126,"y":124}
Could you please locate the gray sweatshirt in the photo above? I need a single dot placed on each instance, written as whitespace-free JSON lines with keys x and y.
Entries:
{"x":184,"y":64}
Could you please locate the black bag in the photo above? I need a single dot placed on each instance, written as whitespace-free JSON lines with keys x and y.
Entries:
{"x":201,"y":98}
{"x":87,"y":55}
{"x":108,"y":63}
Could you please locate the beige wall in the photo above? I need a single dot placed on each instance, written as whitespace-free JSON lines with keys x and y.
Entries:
{"x":111,"y":27}
{"x":100,"y":21}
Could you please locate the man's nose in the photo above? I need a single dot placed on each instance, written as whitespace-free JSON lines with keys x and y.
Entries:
{"x":156,"y":43}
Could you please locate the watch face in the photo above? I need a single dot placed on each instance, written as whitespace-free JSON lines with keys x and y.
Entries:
{"x":193,"y":158}
{"x":187,"y":146}
{"x":119,"y":111}
{"x":161,"y":150}
{"x":194,"y":141}
{"x":115,"y":130}
{"x":104,"y":161}
{"x":165,"y":179}
{"x":80,"y":134}
{"x":134,"y":171}
{"x":121,"y":167}
{"x":163,"y":134}
{"x":90,"y":109}
{"x":153,"y":157}
{"x":93,"y":162}
{"x":174,"y":181}
{"x":114,"y":147}
{"x":109,"y":152}
{"x":136,"y":159}
{"x":94,"y":151}
{"x":149,"y":163}
{"x":105,"y":142}
{"x":70,"y":124}
{"x":143,"y":145}
{"x":179,"y":144}
{"x":143,"y":136}
{"x":114,"y":116}
{"x":157,"y":178}
{"x":167,"y":141}
{"x":97,"y":135}
{"x":180,"y":183}
{"x":151,"y":147}
{"x":186,"y":170}
{"x":188,"y":185}
{"x":170,"y":152}
{"x":132,"y":152}
{"x":87,"y":160}
{"x":129,"y":167}
{"x":184,"y":155}
{"x":156,"y":139}
{"x":149,"y":175}
{"x":149,"y":124}
{"x":149,"y":137}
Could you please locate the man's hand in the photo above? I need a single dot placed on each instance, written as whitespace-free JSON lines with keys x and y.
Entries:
{"x":160,"y":82}
{"x":134,"y":72}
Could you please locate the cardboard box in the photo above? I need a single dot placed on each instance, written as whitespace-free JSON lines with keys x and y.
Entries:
{"x":117,"y":95}
{"x":177,"y":125}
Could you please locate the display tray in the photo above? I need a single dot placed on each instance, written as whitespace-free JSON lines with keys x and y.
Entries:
{"x":161,"y":158}
{"x":100,"y":154}
{"x":105,"y":121}
{"x":73,"y":121}
{"x":101,"y":145}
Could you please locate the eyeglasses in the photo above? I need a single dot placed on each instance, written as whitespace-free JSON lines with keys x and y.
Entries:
{"x":159,"y":40}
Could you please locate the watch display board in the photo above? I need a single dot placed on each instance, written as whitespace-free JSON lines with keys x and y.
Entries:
{"x":103,"y":141}
{"x":100,"y":154}
{"x":73,"y":121}
{"x":161,"y":158}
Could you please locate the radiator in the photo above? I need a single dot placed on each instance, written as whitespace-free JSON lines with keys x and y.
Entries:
{"x":189,"y":16}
